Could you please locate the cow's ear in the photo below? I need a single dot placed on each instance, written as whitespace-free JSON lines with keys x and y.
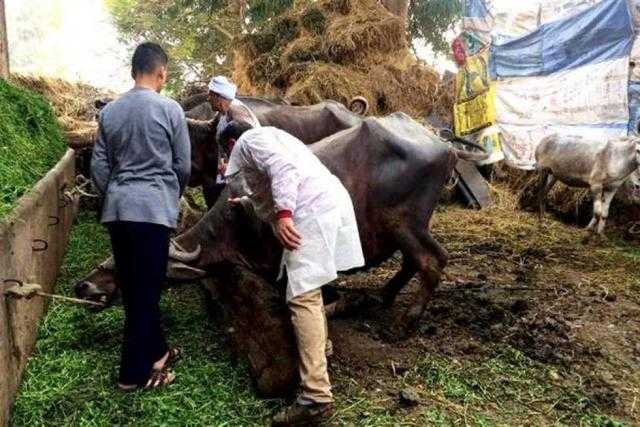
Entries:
{"x":181,"y":271}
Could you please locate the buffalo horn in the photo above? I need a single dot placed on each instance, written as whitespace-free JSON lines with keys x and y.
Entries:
{"x":178,"y":253}
{"x":109,"y":264}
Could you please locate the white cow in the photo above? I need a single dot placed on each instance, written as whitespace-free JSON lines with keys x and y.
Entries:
{"x":601,"y":166}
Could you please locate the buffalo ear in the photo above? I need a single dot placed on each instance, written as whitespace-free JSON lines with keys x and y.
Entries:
{"x":180,"y":271}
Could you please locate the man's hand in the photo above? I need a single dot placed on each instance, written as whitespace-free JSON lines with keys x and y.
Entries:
{"x":222,"y":166}
{"x":287,"y":234}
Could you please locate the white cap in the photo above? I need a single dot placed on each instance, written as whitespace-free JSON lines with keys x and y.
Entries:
{"x":220,"y":85}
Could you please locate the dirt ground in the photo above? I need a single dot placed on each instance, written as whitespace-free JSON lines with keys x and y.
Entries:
{"x":530,"y":326}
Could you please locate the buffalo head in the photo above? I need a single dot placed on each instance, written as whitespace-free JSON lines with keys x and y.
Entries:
{"x":101,"y":284}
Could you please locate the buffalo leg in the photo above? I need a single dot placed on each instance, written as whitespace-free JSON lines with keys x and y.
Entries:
{"x":397,"y":282}
{"x":429,"y":258}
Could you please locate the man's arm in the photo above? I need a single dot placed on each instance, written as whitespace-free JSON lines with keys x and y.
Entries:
{"x":100,"y":162}
{"x":285,"y":181}
{"x":181,"y":146}
{"x":282,"y":173}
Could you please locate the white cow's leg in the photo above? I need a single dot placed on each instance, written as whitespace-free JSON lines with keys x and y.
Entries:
{"x":596,"y":191}
{"x":606,"y":202}
{"x":546,"y":183}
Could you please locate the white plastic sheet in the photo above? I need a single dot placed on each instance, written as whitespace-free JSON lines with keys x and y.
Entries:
{"x":590,"y":101}
{"x":593,"y":94}
{"x":553,"y":10}
{"x":512,"y":19}
{"x":519,"y":142}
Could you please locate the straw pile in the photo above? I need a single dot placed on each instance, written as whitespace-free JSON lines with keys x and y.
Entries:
{"x":73,"y":104}
{"x":337,"y":49}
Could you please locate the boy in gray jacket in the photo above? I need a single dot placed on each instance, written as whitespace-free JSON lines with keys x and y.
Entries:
{"x":141,"y":164}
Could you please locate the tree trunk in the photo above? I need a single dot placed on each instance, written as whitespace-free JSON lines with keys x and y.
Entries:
{"x":4,"y":44}
{"x":397,"y":7}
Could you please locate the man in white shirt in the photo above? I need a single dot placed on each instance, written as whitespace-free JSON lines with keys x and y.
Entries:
{"x":313,"y":218}
{"x":222,"y":98}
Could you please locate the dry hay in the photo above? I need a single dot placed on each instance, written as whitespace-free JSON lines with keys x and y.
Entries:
{"x":339,"y":49}
{"x":73,"y":104}
{"x":504,"y":223}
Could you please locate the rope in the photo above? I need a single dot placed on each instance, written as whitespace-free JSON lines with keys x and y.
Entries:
{"x":453,"y":181}
{"x":21,"y":290}
{"x":81,"y":184}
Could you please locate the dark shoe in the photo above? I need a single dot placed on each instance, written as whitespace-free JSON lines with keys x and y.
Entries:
{"x":298,"y":415}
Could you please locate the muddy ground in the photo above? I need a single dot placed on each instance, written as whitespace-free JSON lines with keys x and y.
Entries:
{"x":562,"y":314}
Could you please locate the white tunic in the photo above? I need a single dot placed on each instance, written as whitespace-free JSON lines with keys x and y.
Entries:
{"x":283,"y":174}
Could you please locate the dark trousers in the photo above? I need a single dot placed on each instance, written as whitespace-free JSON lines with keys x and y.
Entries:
{"x":141,"y":252}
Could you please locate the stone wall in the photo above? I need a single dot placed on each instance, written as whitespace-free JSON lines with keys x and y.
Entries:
{"x":32,"y":244}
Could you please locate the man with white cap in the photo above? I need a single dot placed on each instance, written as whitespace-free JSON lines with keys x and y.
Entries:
{"x":314,"y":220}
{"x":222,"y":98}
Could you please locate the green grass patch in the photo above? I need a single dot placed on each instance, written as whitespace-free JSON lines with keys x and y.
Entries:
{"x":505,"y":388}
{"x":30,"y":142}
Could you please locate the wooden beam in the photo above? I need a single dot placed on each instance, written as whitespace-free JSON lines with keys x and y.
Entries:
{"x":4,"y":43}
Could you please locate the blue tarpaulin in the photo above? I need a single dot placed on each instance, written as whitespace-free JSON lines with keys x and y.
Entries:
{"x":601,"y":33}
{"x":634,"y":107}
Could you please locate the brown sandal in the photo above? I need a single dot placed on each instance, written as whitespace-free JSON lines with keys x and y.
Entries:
{"x":158,"y":378}
{"x":175,"y":354}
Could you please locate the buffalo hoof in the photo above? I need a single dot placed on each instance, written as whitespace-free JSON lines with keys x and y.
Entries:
{"x":410,"y":320}
{"x":406,"y":327}
{"x":394,"y":334}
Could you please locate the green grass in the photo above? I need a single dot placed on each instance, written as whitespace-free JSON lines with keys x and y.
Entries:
{"x":30,"y":142}
{"x":71,"y":376}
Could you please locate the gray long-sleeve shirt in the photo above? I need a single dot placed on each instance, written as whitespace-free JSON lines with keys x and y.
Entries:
{"x":142,"y":158}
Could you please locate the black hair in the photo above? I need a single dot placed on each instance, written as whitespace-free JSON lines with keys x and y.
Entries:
{"x":234,"y":130}
{"x":147,"y":58}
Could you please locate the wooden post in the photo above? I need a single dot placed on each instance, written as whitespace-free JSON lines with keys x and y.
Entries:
{"x":4,"y":44}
